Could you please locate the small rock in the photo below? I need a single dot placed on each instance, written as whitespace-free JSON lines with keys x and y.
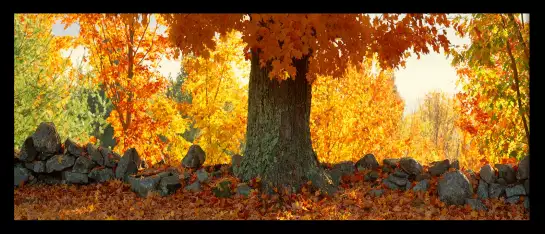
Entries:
{"x":194,"y":158}
{"x":367,"y":162}
{"x":83,"y":165}
{"x":59,"y":163}
{"x":95,"y":155}
{"x":422,"y":186}
{"x":376,"y":192}
{"x":398,"y":181}
{"x":195,"y":187}
{"x":487,"y":174}
{"x":501,"y":181}
{"x":523,"y":171}
{"x":51,"y":179}
{"x":73,"y":148}
{"x":111,"y":159}
{"x":411,"y":166}
{"x":75,"y":178}
{"x":455,"y":164}
{"x":513,"y":199}
{"x":423,"y":176}
{"x":482,"y":190}
{"x":44,"y":156}
{"x":454,"y":188}
{"x":101,"y":174}
{"x":392,"y":162}
{"x":506,"y":172}
{"x":389,"y":184}
{"x":216,"y":174}
{"x":222,"y":189}
{"x":339,"y":170}
{"x":516,"y":190}
{"x":476,"y":204}
{"x":46,"y":139}
{"x":143,"y":186}
{"x":496,"y":190}
{"x":202,"y":175}
{"x":128,"y":165}
{"x":20,"y":175}
{"x":169,"y":185}
{"x":243,"y":189}
{"x":36,"y":166}
{"x":527,"y":186}
{"x":439,"y":167}
{"x":527,"y":203}
{"x":400,"y":173}
{"x":372,"y":176}
{"x":386,"y":169}
{"x":28,"y":152}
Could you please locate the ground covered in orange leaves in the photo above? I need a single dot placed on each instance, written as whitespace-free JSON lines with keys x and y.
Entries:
{"x":114,"y":200}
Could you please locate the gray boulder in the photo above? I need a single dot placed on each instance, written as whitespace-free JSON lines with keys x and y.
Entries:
{"x":28,"y":152}
{"x":202,"y":176}
{"x":94,"y":154}
{"x":496,"y":190}
{"x":487,"y":174}
{"x":392,"y":162}
{"x":513,"y":199}
{"x":194,"y":158}
{"x":195,"y":187}
{"x":169,"y":184}
{"x":243,"y":189}
{"x":371,"y":176}
{"x":73,"y":148}
{"x":391,"y":185}
{"x":128,"y":165}
{"x":482,"y":190}
{"x":411,"y":166}
{"x":46,"y":139}
{"x":401,"y":182}
{"x":439,"y":167}
{"x":59,"y":162}
{"x":501,"y":181}
{"x":83,"y":165}
{"x":75,"y":177}
{"x":523,"y":171}
{"x":400,"y":173}
{"x":101,"y":175}
{"x":143,"y":186}
{"x":454,"y":188}
{"x":111,"y":159}
{"x":367,"y":162}
{"x":44,"y":156}
{"x":21,"y":175}
{"x":506,"y":172}
{"x":476,"y":204}
{"x":422,"y":186}
{"x":516,"y":190}
{"x":339,"y":170}
{"x":36,"y":166}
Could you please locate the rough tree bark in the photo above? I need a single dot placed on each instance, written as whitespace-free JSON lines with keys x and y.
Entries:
{"x":278,"y":144}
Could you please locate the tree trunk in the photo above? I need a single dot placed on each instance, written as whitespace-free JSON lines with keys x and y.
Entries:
{"x":278,"y":144}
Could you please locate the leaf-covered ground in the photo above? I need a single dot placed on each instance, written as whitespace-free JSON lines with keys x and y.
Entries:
{"x":113,"y":200}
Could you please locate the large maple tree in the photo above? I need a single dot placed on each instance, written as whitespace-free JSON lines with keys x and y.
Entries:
{"x":287,"y":52}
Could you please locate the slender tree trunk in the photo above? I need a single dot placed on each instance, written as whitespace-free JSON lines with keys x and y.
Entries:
{"x":278,"y":144}
{"x":130,"y":73}
{"x":517,"y":87}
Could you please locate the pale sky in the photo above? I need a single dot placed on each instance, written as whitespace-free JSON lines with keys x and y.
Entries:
{"x":420,"y":76}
